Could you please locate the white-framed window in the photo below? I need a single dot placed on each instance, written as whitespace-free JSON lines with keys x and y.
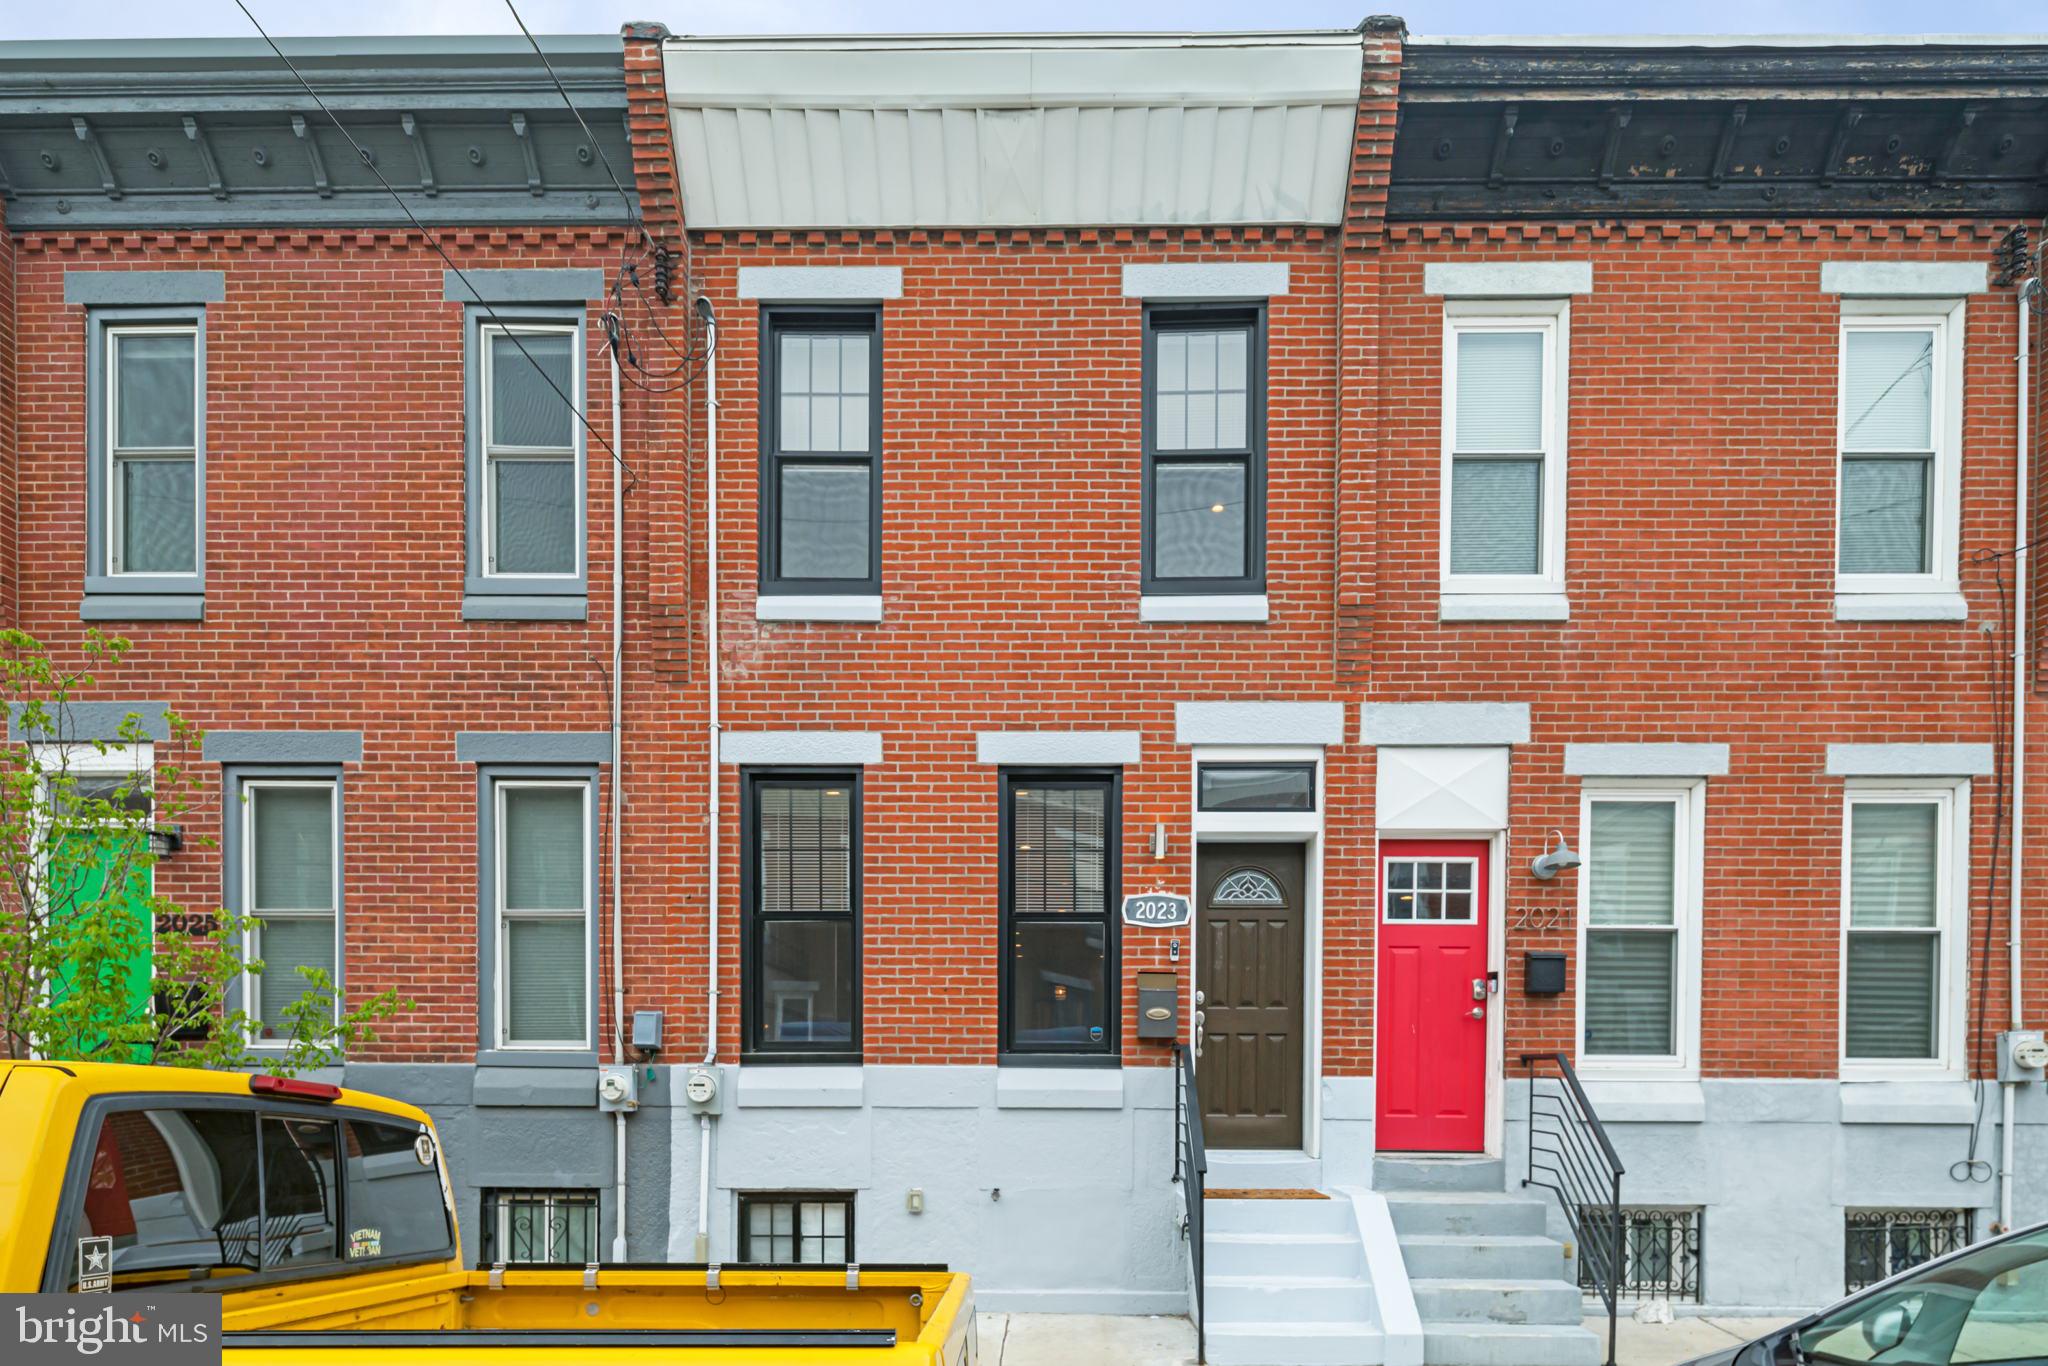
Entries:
{"x":542,"y":1227}
{"x":151,"y":480}
{"x":532,"y":515}
{"x":1899,"y":434}
{"x":290,"y":849}
{"x":1639,"y":928}
{"x":542,"y":889}
{"x":1503,"y":487}
{"x":1905,"y":858}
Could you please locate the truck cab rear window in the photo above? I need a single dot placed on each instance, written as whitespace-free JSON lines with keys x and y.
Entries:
{"x":209,"y":1193}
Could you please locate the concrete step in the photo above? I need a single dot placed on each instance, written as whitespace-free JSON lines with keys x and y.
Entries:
{"x":1282,"y":1254}
{"x":1439,"y":1174}
{"x":1261,"y":1169}
{"x":1505,"y":1301}
{"x":1467,"y":1212}
{"x":1437,"y":1256}
{"x":1288,"y":1299}
{"x":1498,"y":1344}
{"x":1295,"y":1344}
{"x":1278,"y":1216}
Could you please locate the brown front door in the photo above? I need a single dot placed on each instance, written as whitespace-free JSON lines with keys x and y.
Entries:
{"x":1253,"y":938}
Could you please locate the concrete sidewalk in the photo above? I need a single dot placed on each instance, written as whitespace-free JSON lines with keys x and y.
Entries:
{"x":1116,"y":1340}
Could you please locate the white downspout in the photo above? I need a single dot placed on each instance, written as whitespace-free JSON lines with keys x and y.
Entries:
{"x":703,"y":1253}
{"x":2019,"y":746}
{"x":618,"y":797}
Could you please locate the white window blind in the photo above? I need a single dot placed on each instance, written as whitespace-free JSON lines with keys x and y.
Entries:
{"x":1895,"y":928}
{"x":1632,"y":948}
{"x":543,"y":890}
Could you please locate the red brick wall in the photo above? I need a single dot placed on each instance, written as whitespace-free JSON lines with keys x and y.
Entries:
{"x":1699,"y":548}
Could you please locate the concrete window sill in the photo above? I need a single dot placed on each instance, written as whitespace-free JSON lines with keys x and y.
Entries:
{"x":1059,"y":1088}
{"x":143,"y":607}
{"x":1901,"y":607}
{"x":819,"y":607}
{"x":1504,"y":607}
{"x":801,"y":1087}
{"x":1907,"y":1102}
{"x":1204,"y":607}
{"x":571,"y":1087}
{"x":1646,"y":1102}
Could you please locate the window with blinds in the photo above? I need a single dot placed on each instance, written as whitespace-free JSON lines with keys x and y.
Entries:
{"x":821,"y":471}
{"x":1637,"y":914}
{"x":1204,"y":450}
{"x":290,"y":889}
{"x":1059,"y":870}
{"x":531,"y":515}
{"x":802,"y":897}
{"x":1502,"y":478}
{"x":1897,"y":912}
{"x":543,"y":889}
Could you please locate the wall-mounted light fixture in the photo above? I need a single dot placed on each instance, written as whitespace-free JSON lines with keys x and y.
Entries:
{"x":1159,"y":840}
{"x":1558,"y":860}
{"x":166,"y":839}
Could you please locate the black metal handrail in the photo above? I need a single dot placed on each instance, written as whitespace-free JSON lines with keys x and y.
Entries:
{"x":1191,"y":1172}
{"x":1571,"y":1157}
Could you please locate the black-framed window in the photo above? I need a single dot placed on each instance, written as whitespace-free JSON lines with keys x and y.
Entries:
{"x":1257,"y":787}
{"x":800,"y":893}
{"x":821,"y":450}
{"x":542,"y":1227}
{"x":1205,"y":449}
{"x":794,"y":1228}
{"x":1060,"y":871}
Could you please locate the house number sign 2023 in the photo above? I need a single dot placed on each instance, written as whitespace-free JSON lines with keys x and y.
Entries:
{"x":1157,"y":910}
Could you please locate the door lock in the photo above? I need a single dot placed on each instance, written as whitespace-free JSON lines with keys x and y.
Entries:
{"x":1478,"y":988}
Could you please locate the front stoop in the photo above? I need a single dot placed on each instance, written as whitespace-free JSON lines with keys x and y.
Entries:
{"x":1287,"y":1283}
{"x":1488,"y":1284}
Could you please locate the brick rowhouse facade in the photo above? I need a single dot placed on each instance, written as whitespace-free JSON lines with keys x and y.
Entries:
{"x":1696,"y":635}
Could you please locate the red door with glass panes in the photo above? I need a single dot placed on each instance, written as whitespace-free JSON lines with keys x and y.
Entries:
{"x":1433,"y":1002}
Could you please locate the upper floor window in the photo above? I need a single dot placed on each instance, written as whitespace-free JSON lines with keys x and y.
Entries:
{"x":802,"y":900}
{"x":1503,"y":448}
{"x":153,"y":449}
{"x":1899,"y":441}
{"x":1901,"y":955}
{"x":821,"y":476}
{"x":1060,"y":876}
{"x":1640,"y":927}
{"x":1204,"y":450}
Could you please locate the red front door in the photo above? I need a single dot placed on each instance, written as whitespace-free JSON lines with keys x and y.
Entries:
{"x":1431,"y":1084}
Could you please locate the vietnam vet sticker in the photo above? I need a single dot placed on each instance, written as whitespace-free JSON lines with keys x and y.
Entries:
{"x":366,"y":1242}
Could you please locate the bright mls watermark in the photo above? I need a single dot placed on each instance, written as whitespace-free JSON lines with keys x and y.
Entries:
{"x":123,"y":1330}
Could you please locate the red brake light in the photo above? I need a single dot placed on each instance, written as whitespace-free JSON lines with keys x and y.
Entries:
{"x":265,"y":1085}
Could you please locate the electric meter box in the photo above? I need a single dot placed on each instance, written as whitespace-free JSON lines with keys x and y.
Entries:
{"x":2022,"y":1055}
{"x":618,"y":1088}
{"x":703,"y":1091}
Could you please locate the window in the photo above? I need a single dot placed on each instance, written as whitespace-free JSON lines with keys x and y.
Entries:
{"x":542,"y":885}
{"x":1258,"y":787}
{"x":540,"y":1226}
{"x":1503,"y":438}
{"x":145,"y":526}
{"x":1900,"y":1004}
{"x":1204,"y":449}
{"x":1435,"y":890}
{"x":291,"y":881}
{"x":821,"y":481}
{"x":1639,"y":929}
{"x":1878,"y":1243}
{"x":1060,"y":873}
{"x":1900,"y":437}
{"x":1661,"y":1255}
{"x":787,"y":1228}
{"x":527,"y":472}
{"x":183,"y":1193}
{"x":802,"y":899}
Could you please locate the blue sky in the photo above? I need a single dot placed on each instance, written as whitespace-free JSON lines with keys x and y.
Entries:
{"x":210,"y":18}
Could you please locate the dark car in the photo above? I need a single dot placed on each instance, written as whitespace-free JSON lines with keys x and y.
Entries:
{"x":1984,"y":1306}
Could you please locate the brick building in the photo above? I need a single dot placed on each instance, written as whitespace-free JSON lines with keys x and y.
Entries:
{"x":1319,"y":475}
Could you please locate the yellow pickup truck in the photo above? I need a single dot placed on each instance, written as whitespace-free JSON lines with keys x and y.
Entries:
{"x":323,"y":1219}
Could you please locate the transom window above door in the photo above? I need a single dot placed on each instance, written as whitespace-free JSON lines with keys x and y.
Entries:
{"x":1431,"y":890}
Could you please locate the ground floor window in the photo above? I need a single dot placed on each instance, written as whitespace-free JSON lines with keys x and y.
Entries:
{"x":1883,"y":1242}
{"x":785,"y":1227}
{"x":540,"y":1226}
{"x":1661,"y":1251}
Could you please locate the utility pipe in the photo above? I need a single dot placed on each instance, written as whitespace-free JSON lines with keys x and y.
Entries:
{"x":618,"y":797}
{"x":2023,"y":299}
{"x":711,"y":761}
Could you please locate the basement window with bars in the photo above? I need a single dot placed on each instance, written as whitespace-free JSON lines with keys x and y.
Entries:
{"x":790,"y":1228}
{"x":540,"y":1227}
{"x":1661,"y":1251}
{"x":1880,"y":1243}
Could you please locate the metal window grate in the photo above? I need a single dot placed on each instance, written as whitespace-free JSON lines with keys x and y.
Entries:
{"x":540,"y":1227}
{"x":1880,"y":1243}
{"x":1660,"y":1251}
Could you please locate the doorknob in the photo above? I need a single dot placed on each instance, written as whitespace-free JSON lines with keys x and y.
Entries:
{"x":1478,"y":1012}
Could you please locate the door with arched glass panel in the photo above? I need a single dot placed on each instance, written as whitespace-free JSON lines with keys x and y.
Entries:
{"x":1254,"y":934}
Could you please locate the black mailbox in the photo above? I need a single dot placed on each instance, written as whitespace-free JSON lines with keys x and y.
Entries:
{"x":1542,"y":974}
{"x":1159,"y":1005}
